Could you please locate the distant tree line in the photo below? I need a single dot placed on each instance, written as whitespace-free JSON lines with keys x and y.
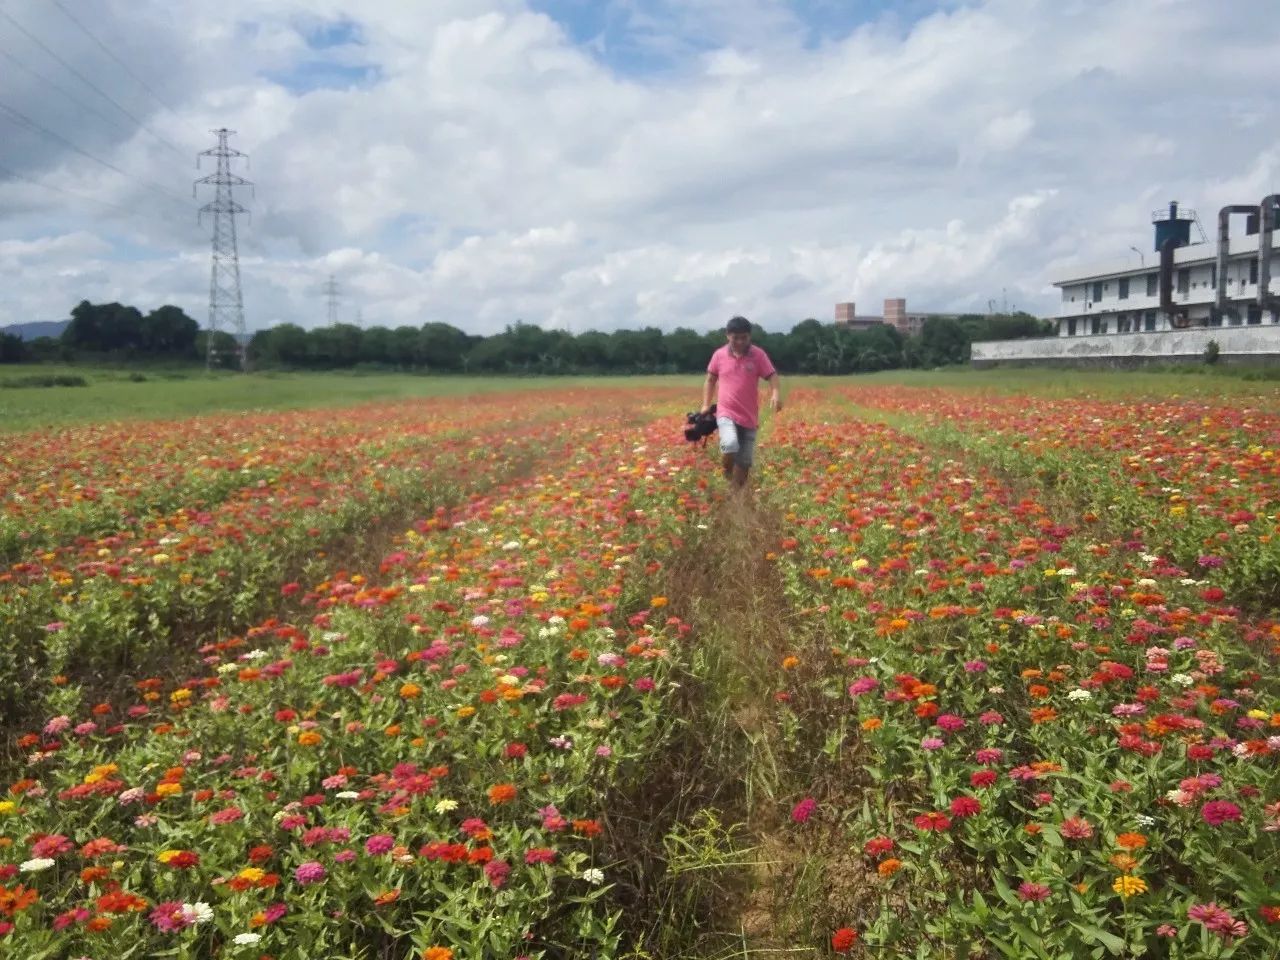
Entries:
{"x":115,"y":331}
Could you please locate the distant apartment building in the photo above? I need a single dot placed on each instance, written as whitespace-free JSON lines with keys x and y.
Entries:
{"x":895,"y":315}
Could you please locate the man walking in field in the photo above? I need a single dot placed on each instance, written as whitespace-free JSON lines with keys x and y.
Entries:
{"x":734,"y":374}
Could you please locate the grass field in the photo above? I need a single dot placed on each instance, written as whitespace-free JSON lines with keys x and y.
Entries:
{"x":402,"y":667}
{"x":112,"y":395}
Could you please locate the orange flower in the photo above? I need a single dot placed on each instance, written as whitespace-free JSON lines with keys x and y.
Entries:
{"x":388,"y":897}
{"x":1043,"y":715}
{"x":1131,"y":841}
{"x":889,"y":867}
{"x":872,"y":723}
{"x":657,"y":602}
{"x":14,"y":901}
{"x":438,"y":953}
{"x":502,"y":793}
{"x":309,"y":738}
{"x":1124,"y":862}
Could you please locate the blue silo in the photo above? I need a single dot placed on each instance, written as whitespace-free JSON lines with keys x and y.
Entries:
{"x":1172,"y":225}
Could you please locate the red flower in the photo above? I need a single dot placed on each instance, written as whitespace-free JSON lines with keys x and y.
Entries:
{"x":965,"y":807}
{"x":982,"y":778}
{"x":933,"y":821}
{"x":842,"y":940}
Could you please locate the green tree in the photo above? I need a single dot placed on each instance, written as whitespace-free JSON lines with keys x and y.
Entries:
{"x":943,"y":341}
{"x":168,"y":331}
{"x":441,"y":347}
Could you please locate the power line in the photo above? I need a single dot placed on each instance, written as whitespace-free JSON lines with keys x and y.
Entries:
{"x":89,"y":83}
{"x":24,"y":119}
{"x":5,"y":171}
{"x":64,"y":91}
{"x":107,"y":50}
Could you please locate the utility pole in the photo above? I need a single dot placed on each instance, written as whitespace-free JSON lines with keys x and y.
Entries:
{"x":226,"y":303}
{"x":331,"y":291}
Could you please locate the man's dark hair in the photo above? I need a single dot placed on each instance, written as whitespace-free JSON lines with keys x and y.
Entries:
{"x":738,"y":325}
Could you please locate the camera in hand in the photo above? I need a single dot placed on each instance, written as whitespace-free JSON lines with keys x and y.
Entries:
{"x":700,"y":425}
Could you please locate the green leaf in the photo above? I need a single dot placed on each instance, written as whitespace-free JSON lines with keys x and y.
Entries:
{"x":1095,"y":934}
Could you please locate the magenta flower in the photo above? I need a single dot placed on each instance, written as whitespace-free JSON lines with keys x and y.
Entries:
{"x":497,"y":871}
{"x":170,"y":916}
{"x":309,"y":872}
{"x":803,"y":810}
{"x":1218,"y":812}
{"x":1033,"y":892}
{"x":379,"y":843}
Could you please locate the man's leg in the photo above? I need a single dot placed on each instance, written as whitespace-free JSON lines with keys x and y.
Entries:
{"x":728,"y":445}
{"x":745,"y":456}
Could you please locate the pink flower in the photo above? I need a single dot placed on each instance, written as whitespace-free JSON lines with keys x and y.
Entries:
{"x":1076,"y":828}
{"x":932,"y":743}
{"x":950,"y":722}
{"x":540,"y":855}
{"x":1218,"y":812}
{"x":803,"y":810}
{"x":863,"y":685}
{"x":228,"y":815}
{"x":309,"y":872}
{"x":1033,"y":892}
{"x":991,"y":719}
{"x":988,"y":756}
{"x":170,"y":916}
{"x":1166,"y":930}
{"x":497,"y":871}
{"x":379,"y":843}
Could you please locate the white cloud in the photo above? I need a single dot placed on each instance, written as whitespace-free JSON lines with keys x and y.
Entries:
{"x":465,"y":161}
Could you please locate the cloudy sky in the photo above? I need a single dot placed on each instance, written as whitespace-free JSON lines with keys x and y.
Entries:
{"x":618,"y":163}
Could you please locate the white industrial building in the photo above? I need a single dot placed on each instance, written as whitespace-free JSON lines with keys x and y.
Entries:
{"x":1172,"y":307}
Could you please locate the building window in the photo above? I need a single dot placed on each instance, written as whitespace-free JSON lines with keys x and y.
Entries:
{"x":1124,"y":288}
{"x":1255,"y":313}
{"x":1097,"y":292}
{"x":1094,"y":325}
{"x":1184,"y":279}
{"x":1150,"y":320}
{"x":1153,"y":284}
{"x":1253,"y":271}
{"x":1071,"y":327}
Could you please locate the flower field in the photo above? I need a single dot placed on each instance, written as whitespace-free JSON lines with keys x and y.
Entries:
{"x":395,"y":681}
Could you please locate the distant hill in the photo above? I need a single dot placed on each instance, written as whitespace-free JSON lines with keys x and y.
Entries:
{"x":38,"y":328}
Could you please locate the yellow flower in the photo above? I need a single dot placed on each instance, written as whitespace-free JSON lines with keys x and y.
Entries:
{"x":7,"y":806}
{"x":252,"y":874}
{"x":164,"y":856}
{"x":790,"y":663}
{"x":181,"y":695}
{"x":168,"y":789}
{"x":1127,"y":886}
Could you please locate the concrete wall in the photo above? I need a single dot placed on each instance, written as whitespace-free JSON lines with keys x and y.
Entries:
{"x":1255,"y":344}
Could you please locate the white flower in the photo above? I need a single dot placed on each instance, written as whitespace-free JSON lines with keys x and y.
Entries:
{"x":511,"y":545}
{"x":199,"y":912}
{"x":1079,"y":694}
{"x":347,"y":795}
{"x":227,"y":668}
{"x":245,"y":939}
{"x":1146,"y":582}
{"x":1145,"y":821}
{"x":1182,"y":679}
{"x":445,"y":805}
{"x":256,"y":654}
{"x":36,"y":865}
{"x":593,"y":875}
{"x":1067,"y":572}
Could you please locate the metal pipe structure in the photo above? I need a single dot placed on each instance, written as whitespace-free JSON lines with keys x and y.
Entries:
{"x":1224,"y":242}
{"x":1266,"y":223}
{"x":1176,"y":317}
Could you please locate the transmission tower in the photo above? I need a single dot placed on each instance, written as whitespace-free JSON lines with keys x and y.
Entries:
{"x":226,"y":304}
{"x":331,"y":291}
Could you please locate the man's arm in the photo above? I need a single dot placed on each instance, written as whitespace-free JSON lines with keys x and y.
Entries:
{"x":708,"y":390}
{"x":775,"y":402}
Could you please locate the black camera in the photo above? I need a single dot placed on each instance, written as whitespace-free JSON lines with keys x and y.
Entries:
{"x":700,"y":425}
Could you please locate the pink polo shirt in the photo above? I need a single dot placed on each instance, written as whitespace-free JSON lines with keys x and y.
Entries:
{"x":738,"y":389}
